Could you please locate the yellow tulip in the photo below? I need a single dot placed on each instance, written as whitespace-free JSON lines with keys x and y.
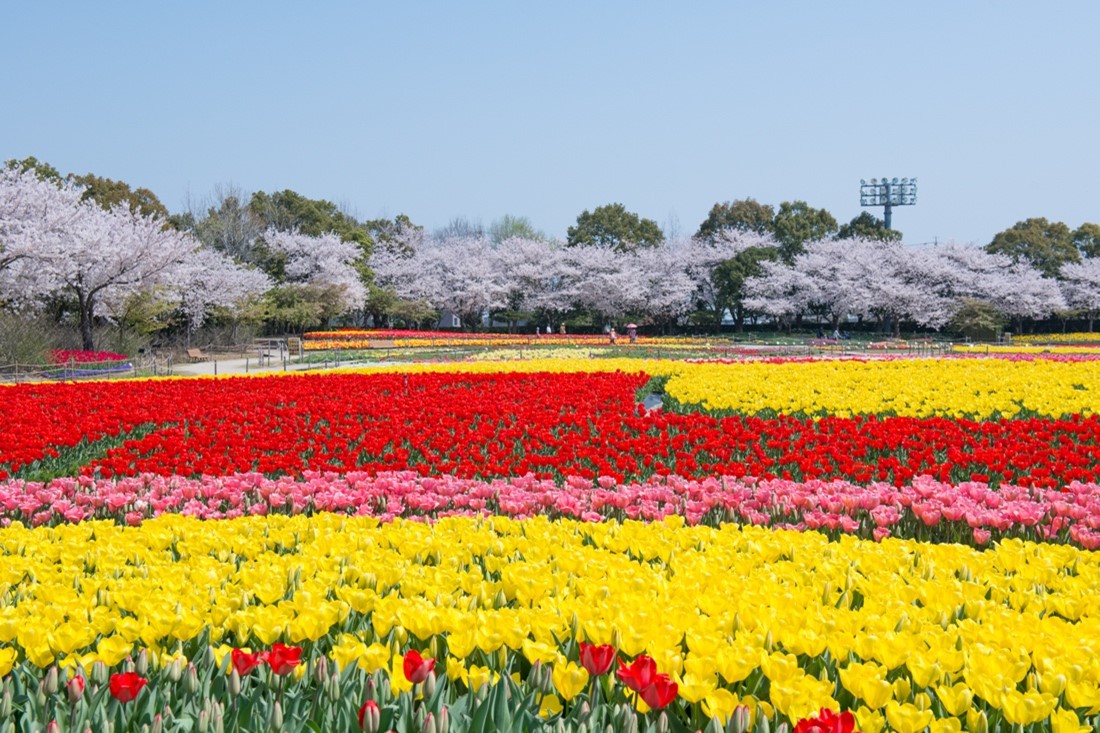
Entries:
{"x":7,"y":660}
{"x":1066,"y":721}
{"x":945,"y":725}
{"x":869,"y":721}
{"x":955,"y":699}
{"x":906,"y":718}
{"x":569,"y":679}
{"x":1024,"y":708}
{"x":113,"y":649}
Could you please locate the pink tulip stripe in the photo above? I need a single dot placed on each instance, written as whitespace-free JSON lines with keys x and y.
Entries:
{"x":925,"y":509}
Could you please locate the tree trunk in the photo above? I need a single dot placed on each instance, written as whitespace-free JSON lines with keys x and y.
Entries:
{"x":86,"y":305}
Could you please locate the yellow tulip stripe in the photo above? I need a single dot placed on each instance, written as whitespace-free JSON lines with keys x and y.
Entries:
{"x":902,"y":633}
{"x":975,"y":388}
{"x":1058,"y":338}
{"x":1093,"y":348}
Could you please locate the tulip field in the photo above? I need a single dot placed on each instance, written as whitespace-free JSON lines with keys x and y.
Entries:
{"x":796,"y":545}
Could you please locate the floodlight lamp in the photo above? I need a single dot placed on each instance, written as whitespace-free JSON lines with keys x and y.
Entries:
{"x":874,"y":181}
{"x":894,"y":181}
{"x":862,"y":182}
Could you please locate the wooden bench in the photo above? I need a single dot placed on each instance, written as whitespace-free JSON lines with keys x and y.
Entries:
{"x":197,"y":355}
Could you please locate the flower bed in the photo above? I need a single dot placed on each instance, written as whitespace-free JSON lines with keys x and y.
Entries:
{"x":873,"y":544}
{"x":782,"y":623}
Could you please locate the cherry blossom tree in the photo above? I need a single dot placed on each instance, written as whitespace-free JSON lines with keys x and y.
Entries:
{"x":459,"y":274}
{"x":324,"y":260}
{"x":35,"y":216}
{"x":531,"y":273}
{"x":105,"y":256}
{"x":1081,"y":286}
{"x":209,"y":279}
{"x":667,"y":288}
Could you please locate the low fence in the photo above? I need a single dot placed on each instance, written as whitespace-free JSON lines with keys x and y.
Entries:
{"x":145,"y":366}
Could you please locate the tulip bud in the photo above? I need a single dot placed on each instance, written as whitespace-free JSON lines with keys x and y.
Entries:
{"x":276,"y":721}
{"x":443,"y":722}
{"x":976,"y":722}
{"x":714,"y":726}
{"x":50,"y":684}
{"x":584,"y":711}
{"x":435,"y":648}
{"x":74,"y":688}
{"x":420,"y":718}
{"x":783,"y":728}
{"x":370,"y":717}
{"x":204,"y":721}
{"x":429,"y":685}
{"x":141,"y":664}
{"x":332,"y":686}
{"x":741,"y":719}
{"x":158,"y":724}
{"x":234,"y":683}
{"x":218,"y":719}
{"x":5,"y":704}
{"x":99,"y":673}
{"x":53,"y":727}
{"x":764,"y":726}
{"x":320,"y":670}
{"x":191,"y":679}
{"x":175,"y":670}
{"x":662,"y":723}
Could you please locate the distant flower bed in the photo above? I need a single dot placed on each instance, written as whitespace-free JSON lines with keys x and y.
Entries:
{"x":1058,"y":338}
{"x":77,"y":356}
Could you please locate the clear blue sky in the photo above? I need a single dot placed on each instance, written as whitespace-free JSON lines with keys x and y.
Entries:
{"x":543,"y":110}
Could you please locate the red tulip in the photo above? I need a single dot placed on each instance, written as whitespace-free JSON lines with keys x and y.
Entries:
{"x":827,"y":722}
{"x":597,"y":659}
{"x":660,"y":693}
{"x":125,"y":686}
{"x":244,"y":662}
{"x":640,"y":674}
{"x":282,"y":658}
{"x":417,"y":668}
{"x":369,"y":716}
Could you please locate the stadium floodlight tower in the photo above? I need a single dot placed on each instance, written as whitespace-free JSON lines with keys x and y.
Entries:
{"x":888,"y":193}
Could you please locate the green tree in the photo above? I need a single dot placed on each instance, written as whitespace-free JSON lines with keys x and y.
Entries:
{"x":730,"y":276}
{"x":42,"y":168}
{"x":231,"y":227}
{"x":288,"y":210}
{"x":1086,"y":238}
{"x":1046,"y":245}
{"x":299,"y":307}
{"x":612,"y":225}
{"x":867,"y":226}
{"x":977,"y":320}
{"x":392,"y":232}
{"x":796,"y":223}
{"x":108,"y":193}
{"x":747,"y":215}
{"x":509,"y":226}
